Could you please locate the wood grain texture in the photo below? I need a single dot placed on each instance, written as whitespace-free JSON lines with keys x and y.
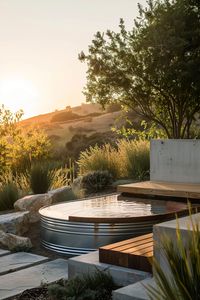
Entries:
{"x":133,"y":253}
{"x":156,"y":188}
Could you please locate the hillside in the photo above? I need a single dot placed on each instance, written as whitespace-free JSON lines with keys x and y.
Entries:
{"x":87,"y":120}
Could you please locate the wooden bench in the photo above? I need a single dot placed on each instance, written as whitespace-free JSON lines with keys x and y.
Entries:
{"x":133,"y":253}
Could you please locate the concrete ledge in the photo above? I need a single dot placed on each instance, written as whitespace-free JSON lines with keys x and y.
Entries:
{"x":134,"y":291}
{"x":88,"y":263}
{"x":168,"y":229}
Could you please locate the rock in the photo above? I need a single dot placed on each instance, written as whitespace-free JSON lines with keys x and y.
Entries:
{"x":61,"y":194}
{"x":33,"y":203}
{"x":14,"y":242}
{"x":16,"y":223}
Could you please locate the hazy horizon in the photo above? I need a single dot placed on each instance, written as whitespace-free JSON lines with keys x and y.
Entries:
{"x":40,"y":42}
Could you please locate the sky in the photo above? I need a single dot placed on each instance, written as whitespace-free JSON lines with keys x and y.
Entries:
{"x":39,"y":45}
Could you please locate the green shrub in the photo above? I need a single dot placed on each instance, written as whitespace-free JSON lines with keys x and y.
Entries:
{"x":183,"y":280}
{"x":8,"y":196}
{"x":97,"y":286}
{"x":96,"y":181}
{"x":40,"y":179}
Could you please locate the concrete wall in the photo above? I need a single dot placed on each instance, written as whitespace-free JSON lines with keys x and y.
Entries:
{"x":175,"y":161}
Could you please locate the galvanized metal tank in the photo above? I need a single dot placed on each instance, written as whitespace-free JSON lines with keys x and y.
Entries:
{"x":78,"y":227}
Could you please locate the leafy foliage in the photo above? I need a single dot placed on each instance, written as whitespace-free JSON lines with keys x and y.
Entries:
{"x":8,"y":196}
{"x":183,"y":280}
{"x":96,"y":181}
{"x":97,"y":286}
{"x":154,"y":69}
{"x":20,"y":147}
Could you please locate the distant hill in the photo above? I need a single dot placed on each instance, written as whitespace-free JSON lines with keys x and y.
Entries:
{"x":62,"y":125}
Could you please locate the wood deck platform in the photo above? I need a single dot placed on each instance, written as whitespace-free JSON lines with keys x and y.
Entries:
{"x":156,"y":188}
{"x":133,"y":253}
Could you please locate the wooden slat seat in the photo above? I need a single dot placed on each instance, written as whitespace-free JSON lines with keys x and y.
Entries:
{"x":133,"y":253}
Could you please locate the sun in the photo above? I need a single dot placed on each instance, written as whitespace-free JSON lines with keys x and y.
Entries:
{"x":19,"y":93}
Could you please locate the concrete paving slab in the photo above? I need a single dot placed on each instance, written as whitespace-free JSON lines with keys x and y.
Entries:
{"x":89,"y":263}
{"x":19,"y":260}
{"x":134,"y":291}
{"x":4,"y":252}
{"x":13,"y":284}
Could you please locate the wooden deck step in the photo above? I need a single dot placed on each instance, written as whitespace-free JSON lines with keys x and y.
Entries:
{"x":133,"y":253}
{"x":156,"y":188}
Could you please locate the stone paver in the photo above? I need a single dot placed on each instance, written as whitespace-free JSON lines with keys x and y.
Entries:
{"x":134,"y":291}
{"x":19,"y":260}
{"x":15,"y":283}
{"x":3,"y":252}
{"x":89,"y":263}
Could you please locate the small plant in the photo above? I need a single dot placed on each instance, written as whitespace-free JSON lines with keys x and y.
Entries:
{"x":97,"y":286}
{"x":183,"y":280}
{"x":96,"y":181}
{"x":40,"y":178}
{"x":8,"y":196}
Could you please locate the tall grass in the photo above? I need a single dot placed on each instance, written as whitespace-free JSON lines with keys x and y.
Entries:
{"x":135,"y":158}
{"x":20,"y":180}
{"x":183,"y":280}
{"x":40,"y":178}
{"x":129,"y":159}
{"x":8,"y":196}
{"x":97,"y":158}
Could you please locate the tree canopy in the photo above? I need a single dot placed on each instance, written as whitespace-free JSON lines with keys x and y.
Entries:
{"x":153,"y":69}
{"x":20,"y":147}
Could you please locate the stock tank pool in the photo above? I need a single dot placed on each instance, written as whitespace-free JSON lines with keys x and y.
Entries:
{"x":78,"y":227}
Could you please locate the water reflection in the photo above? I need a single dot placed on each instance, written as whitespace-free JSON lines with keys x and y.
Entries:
{"x":112,"y":206}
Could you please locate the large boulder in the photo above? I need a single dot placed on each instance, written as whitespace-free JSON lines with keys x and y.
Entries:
{"x":16,"y":223}
{"x":33,"y":203}
{"x":61,"y":194}
{"x":14,"y":242}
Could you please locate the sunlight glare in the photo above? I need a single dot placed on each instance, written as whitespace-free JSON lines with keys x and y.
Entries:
{"x":18,"y":93}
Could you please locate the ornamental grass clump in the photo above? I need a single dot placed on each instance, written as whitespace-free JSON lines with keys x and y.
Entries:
{"x":97,"y":158}
{"x":183,"y":280}
{"x":8,"y":196}
{"x":40,"y":178}
{"x":135,"y":158}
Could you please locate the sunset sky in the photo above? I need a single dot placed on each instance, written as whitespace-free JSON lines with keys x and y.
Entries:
{"x":39,"y":45}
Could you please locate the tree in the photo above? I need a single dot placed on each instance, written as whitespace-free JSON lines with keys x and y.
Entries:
{"x":20,"y":147}
{"x":154,"y":69}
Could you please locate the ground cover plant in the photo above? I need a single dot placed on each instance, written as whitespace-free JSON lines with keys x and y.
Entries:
{"x":97,"y":286}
